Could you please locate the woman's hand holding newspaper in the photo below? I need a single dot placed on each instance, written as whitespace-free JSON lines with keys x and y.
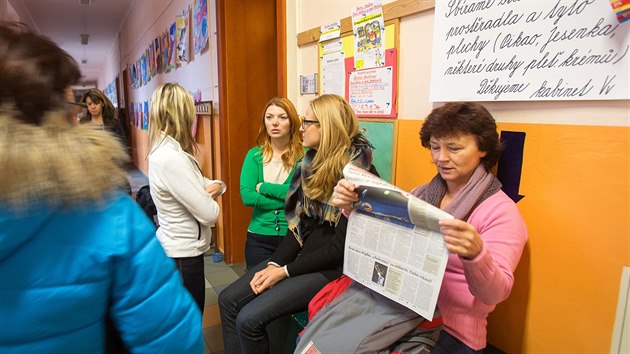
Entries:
{"x":344,"y":195}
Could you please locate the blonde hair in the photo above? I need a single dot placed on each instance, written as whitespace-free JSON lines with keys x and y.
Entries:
{"x":172,"y":112}
{"x":338,"y":125}
{"x":295,"y":151}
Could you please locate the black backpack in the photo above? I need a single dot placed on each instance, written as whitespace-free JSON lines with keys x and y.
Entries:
{"x":143,"y":198}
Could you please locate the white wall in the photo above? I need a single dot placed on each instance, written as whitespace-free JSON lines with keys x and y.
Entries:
{"x":111,"y":67}
{"x":414,"y":74}
{"x":148,"y":19}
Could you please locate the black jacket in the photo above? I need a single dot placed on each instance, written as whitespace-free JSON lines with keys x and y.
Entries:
{"x":322,"y":250}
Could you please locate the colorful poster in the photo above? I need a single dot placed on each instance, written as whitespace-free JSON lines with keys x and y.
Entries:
{"x":182,"y":37}
{"x":172,"y":38}
{"x":139,"y":115}
{"x":369,"y":35}
{"x":165,"y":50}
{"x":621,"y":9}
{"x":131,"y":68}
{"x":145,"y":116}
{"x":372,"y":92}
{"x":143,"y":64}
{"x":200,"y":25}
{"x":151,"y":58}
{"x":157,"y":48}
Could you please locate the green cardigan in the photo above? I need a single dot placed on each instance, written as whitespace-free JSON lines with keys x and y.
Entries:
{"x":268,"y":218}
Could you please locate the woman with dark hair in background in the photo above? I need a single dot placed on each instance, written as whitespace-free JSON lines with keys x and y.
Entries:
{"x":102,"y":114}
{"x":73,"y":249}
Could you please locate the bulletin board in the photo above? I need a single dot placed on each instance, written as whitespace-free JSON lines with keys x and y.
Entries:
{"x":382,"y":134}
{"x":391,"y":66}
{"x":381,"y":130}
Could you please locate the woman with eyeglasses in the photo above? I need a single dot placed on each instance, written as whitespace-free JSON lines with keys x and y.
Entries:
{"x":311,"y":254}
{"x":265,"y":177}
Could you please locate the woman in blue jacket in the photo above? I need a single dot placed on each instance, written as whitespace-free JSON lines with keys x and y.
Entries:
{"x":73,"y":249}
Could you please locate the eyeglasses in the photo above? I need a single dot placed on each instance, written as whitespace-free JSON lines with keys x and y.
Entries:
{"x":307,"y":122}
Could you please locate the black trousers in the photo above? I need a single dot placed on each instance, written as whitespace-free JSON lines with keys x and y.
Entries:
{"x":191,"y":270}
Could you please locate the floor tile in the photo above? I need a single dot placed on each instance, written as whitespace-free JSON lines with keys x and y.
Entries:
{"x":215,"y":267}
{"x":214,"y":338}
{"x":211,"y":297}
{"x":210,"y":316}
{"x":221,"y":277}
{"x":239,"y":268}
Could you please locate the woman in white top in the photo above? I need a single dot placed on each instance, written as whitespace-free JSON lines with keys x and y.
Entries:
{"x":184,"y":198}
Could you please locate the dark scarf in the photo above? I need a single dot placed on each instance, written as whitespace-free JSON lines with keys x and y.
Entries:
{"x":297,"y":203}
{"x":480,"y":186}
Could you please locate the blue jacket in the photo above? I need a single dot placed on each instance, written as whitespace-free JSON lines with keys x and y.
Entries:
{"x":63,"y":268}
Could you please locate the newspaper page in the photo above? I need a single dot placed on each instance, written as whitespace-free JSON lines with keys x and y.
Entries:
{"x":393,"y":243}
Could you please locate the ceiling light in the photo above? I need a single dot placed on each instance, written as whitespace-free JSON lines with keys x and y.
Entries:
{"x":84,"y":61}
{"x":84,"y":39}
{"x":85,"y":2}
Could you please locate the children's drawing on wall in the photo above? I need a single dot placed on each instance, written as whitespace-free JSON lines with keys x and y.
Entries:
{"x":138,"y":116}
{"x":182,"y":37}
{"x":143,"y":64}
{"x":151,"y":58}
{"x":138,"y":73}
{"x":369,"y":35}
{"x":200,"y":25}
{"x":134,"y":75}
{"x":172,"y":38}
{"x":165,"y":49}
{"x":157,"y":50}
{"x":145,"y":121}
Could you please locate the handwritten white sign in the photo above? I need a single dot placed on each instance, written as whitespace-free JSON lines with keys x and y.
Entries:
{"x":514,"y":50}
{"x":370,"y":91}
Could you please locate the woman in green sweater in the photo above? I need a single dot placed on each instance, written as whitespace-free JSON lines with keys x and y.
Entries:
{"x":265,"y":177}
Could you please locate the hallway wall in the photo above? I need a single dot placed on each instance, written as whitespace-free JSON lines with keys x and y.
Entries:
{"x":575,"y":181}
{"x":147,"y":19}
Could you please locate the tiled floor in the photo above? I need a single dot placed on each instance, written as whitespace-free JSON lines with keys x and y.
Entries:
{"x":218,"y":277}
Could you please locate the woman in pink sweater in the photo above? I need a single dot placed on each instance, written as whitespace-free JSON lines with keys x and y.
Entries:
{"x":487,"y":236}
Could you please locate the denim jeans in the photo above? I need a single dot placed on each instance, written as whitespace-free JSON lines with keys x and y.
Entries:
{"x":245,"y":315}
{"x":447,"y":344}
{"x":259,"y":248}
{"x":192,"y":272}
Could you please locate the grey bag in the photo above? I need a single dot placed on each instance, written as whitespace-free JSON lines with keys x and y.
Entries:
{"x":359,"y":320}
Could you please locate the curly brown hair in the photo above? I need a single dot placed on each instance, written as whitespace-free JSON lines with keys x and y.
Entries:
{"x":463,"y":118}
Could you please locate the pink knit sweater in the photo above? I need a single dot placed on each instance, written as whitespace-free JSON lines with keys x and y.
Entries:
{"x":471,"y":289}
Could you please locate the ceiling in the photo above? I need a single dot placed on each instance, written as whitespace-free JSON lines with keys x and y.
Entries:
{"x":64,"y":21}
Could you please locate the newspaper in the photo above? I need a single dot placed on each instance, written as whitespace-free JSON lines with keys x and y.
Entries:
{"x":393,"y":243}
